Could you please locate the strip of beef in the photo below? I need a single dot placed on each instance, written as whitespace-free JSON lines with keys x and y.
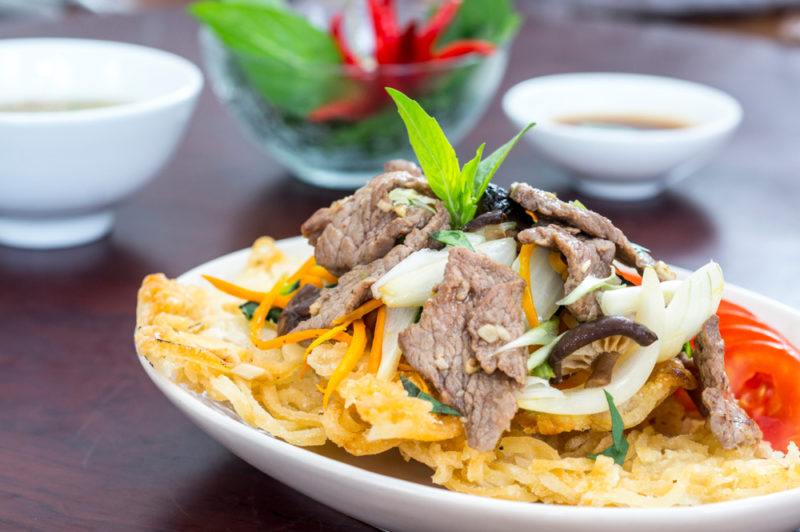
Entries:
{"x":590,"y":222}
{"x":401,"y":165}
{"x":298,"y":309}
{"x":729,"y":423}
{"x":353,"y":287}
{"x":363,"y":227}
{"x":585,"y":256}
{"x":476,"y":310}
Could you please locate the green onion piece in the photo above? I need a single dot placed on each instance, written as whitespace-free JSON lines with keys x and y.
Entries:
{"x":543,"y":371}
{"x":453,"y":238}
{"x":619,"y":447}
{"x":289,"y":288}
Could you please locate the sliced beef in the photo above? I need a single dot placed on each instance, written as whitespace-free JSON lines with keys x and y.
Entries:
{"x":729,"y":423}
{"x":585,"y":256}
{"x":401,"y":165}
{"x":353,"y":287}
{"x":476,"y":309}
{"x":549,"y":206}
{"x":363,"y":227}
{"x":298,"y":309}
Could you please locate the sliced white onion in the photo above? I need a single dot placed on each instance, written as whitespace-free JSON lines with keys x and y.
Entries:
{"x":630,"y":373}
{"x":411,"y":282}
{"x":546,"y":284}
{"x":589,"y":285}
{"x":539,"y":335}
{"x":397,"y":320}
{"x":538,"y":388}
{"x":543,"y":353}
{"x":695,"y":300}
{"x":625,"y":301}
{"x":415,"y":261}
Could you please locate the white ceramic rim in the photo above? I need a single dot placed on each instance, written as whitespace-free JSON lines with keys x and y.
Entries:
{"x":379,"y":482}
{"x":188,"y":90}
{"x":725,"y":123}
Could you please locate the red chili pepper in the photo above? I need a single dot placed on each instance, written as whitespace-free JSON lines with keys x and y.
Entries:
{"x":434,"y":29}
{"x":338,"y":36}
{"x":463,"y":47}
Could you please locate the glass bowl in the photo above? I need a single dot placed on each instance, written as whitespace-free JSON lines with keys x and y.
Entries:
{"x":287,"y":119}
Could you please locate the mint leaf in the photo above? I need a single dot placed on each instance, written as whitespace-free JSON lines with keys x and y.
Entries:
{"x":438,"y":407}
{"x":543,"y":371}
{"x":490,"y":20}
{"x":435,"y":154}
{"x":285,"y":59}
{"x":453,"y":238}
{"x":619,"y":448}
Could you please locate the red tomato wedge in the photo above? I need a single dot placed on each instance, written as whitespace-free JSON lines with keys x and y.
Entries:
{"x":765,"y":378}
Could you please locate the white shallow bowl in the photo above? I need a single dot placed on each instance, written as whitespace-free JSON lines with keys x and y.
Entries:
{"x":389,"y":493}
{"x":616,"y":163}
{"x":61,"y":173}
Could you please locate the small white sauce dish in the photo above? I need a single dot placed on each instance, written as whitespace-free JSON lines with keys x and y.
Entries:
{"x":623,"y":163}
{"x":62,"y":172}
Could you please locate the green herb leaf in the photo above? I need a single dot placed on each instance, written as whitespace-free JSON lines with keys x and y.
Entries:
{"x":289,"y":288}
{"x":453,"y":238}
{"x":579,"y":204}
{"x":543,"y":371}
{"x":435,"y":154}
{"x":250,"y":307}
{"x":491,"y":20}
{"x":286,"y":59}
{"x":687,"y":349}
{"x":438,"y":407}
{"x":460,"y":189}
{"x":619,"y":448}
{"x":411,"y":198}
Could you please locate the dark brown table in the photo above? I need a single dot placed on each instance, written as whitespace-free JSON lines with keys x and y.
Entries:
{"x":86,"y":442}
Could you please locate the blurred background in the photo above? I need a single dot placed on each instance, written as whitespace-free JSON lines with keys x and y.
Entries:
{"x":779,"y":19}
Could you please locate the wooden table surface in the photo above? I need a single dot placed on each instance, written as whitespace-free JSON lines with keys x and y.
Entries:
{"x":86,"y":442}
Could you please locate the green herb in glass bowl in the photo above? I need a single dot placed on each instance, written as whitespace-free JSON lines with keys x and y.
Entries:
{"x":316,"y":101}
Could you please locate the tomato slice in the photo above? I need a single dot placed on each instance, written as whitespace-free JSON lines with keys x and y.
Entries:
{"x":736,"y":334}
{"x":726,"y":307}
{"x":765,"y":378}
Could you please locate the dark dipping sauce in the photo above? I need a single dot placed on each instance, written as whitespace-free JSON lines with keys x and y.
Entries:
{"x":624,"y":122}
{"x":56,"y":106}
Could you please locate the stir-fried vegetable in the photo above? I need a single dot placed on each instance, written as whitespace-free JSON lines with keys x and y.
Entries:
{"x":589,"y":285}
{"x":459,"y":188}
{"x":625,"y":301}
{"x":528,"y":304}
{"x":546,"y":284}
{"x":397,"y":320}
{"x":542,"y":334}
{"x":375,"y":351}
{"x":454,"y":238}
{"x":351,"y":357}
{"x":411,"y":282}
{"x":541,"y":355}
{"x":630,"y":374}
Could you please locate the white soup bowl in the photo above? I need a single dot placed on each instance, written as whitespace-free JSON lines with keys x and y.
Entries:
{"x":63,"y":171}
{"x":625,"y":164}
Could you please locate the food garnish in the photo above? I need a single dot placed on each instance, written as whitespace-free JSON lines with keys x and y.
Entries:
{"x":619,"y":448}
{"x":438,"y":407}
{"x":460,"y":188}
{"x":453,"y":238}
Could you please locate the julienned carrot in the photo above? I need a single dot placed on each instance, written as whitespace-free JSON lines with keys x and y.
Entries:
{"x":329,"y":334}
{"x":556,"y":262}
{"x":312,"y":280}
{"x":235,"y":290}
{"x":375,"y":351}
{"x":528,"y":304}
{"x":299,"y":336}
{"x":533,"y":216}
{"x":322,"y":273}
{"x":260,"y":315}
{"x":359,"y":313}
{"x":349,"y":361}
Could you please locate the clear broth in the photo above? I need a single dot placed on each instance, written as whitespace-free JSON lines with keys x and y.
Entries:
{"x":624,"y":122}
{"x":34,"y":106}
